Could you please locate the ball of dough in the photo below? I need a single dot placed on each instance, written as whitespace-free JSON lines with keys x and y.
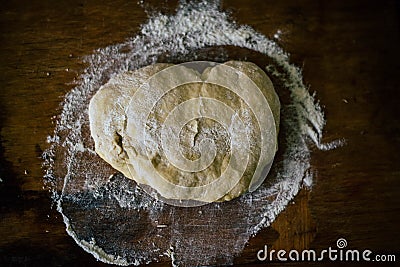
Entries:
{"x":190,"y":132}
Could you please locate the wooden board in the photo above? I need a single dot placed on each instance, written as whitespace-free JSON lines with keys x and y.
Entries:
{"x":348,"y":51}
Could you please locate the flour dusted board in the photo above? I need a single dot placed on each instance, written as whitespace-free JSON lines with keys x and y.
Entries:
{"x":91,"y":196}
{"x":43,"y":37}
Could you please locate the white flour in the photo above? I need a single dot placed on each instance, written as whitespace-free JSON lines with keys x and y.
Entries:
{"x":107,"y":216}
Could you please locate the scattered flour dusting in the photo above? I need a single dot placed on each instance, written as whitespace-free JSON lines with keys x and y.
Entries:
{"x":92,"y":248}
{"x":110,"y":217}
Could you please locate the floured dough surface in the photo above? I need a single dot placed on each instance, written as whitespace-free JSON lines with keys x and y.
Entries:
{"x":203,"y":135}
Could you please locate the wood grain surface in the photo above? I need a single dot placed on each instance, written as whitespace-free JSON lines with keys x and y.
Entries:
{"x":349,"y":54}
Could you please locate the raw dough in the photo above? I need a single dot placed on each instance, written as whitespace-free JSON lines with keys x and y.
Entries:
{"x":187,"y":134}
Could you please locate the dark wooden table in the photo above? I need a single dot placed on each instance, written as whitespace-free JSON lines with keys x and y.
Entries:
{"x":349,"y":54}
